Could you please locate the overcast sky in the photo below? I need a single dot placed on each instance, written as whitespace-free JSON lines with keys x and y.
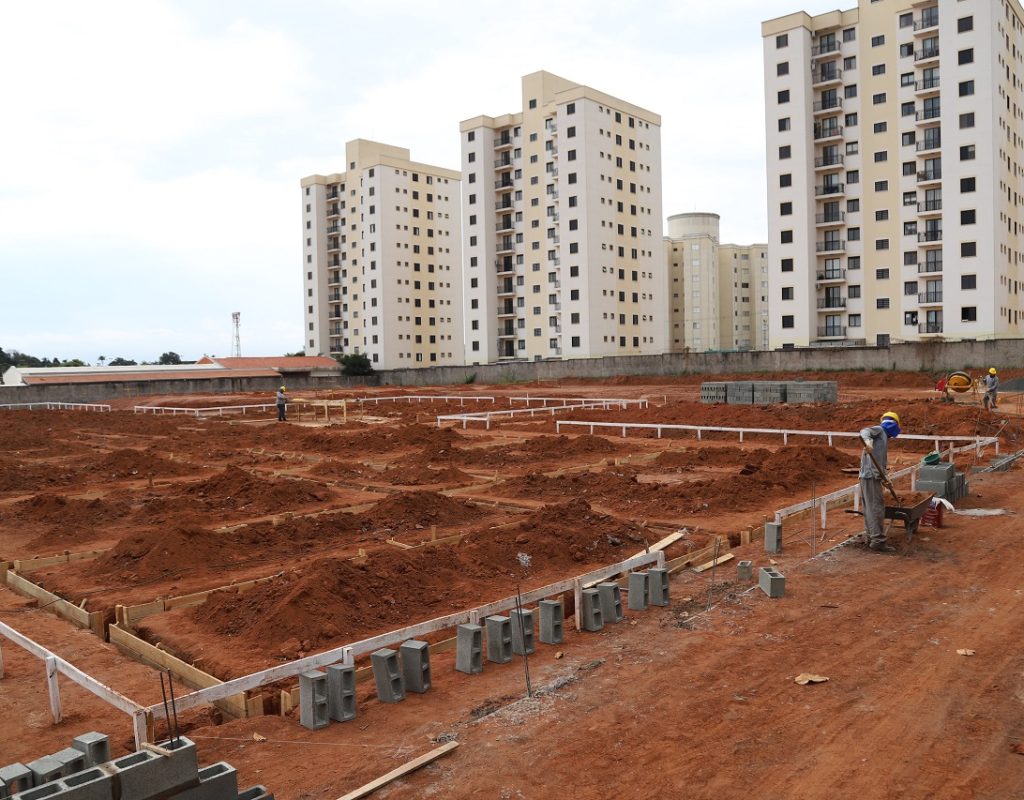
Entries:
{"x":150,"y":152}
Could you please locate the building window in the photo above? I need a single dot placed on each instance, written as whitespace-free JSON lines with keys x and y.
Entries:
{"x":853,"y":234}
{"x":907,"y":79}
{"x":570,"y":132}
{"x":784,"y":124}
{"x":849,"y":92}
{"x":881,"y":186}
{"x":850,"y":62}
{"x":881,"y":155}
{"x":852,"y":148}
{"x":909,"y":168}
{"x":787,"y":321}
{"x":785,"y":209}
{"x":909,"y":288}
{"x":854,"y":321}
{"x":854,"y":292}
{"x":851,"y":120}
{"x":575,"y":341}
{"x":968,"y":249}
{"x":878,"y":69}
{"x":906,"y":50}
{"x":881,"y":244}
{"x":783,"y":96}
{"x":968,"y":281}
{"x":969,"y":314}
{"x":907,"y":109}
{"x":785,"y":151}
{"x":570,"y":108}
{"x":787,"y":292}
{"x":787,"y":265}
{"x":882,"y":274}
{"x":968,"y":216}
{"x":787,"y":237}
{"x":965,"y":56}
{"x":853,"y":262}
{"x":786,"y":179}
{"x":877,"y":41}
{"x":532,"y":103}
{"x":966,"y":88}
{"x":965,"y":24}
{"x":881,"y":302}
{"x":881,"y":215}
{"x":853,"y":206}
{"x":880,"y":127}
{"x":853,"y":176}
{"x":782,"y":68}
{"x":967,"y":120}
{"x":966,"y":185}
{"x":878,"y":99}
{"x":967,"y":152}
{"x":782,"y":40}
{"x":850,"y":34}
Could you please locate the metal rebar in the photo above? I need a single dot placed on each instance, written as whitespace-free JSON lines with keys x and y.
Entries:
{"x":522,"y":642}
{"x":167,"y":711}
{"x":714,"y":565}
{"x":174,"y":708}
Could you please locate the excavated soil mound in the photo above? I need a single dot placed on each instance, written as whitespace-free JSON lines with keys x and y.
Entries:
{"x":71,"y":512}
{"x":21,"y":476}
{"x":710,"y":457}
{"x":163,"y":552}
{"x":539,"y":448}
{"x":127,"y":463}
{"x":420,"y":510}
{"x":334,"y":600}
{"x":343,"y":469}
{"x":423,"y":475}
{"x":377,"y":439}
{"x":235,"y":488}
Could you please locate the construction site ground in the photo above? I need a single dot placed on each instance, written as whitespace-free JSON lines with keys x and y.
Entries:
{"x":379,"y":519}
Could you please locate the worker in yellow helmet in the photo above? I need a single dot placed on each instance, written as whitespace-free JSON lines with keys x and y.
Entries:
{"x":282,"y":405}
{"x":873,"y":463}
{"x":991,"y":388}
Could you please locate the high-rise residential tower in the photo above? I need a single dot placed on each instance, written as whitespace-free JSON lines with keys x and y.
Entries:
{"x":895,"y":136}
{"x":382,"y":264}
{"x":561,"y":216}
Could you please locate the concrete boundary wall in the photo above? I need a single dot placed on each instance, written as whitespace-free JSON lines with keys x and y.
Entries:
{"x":931,"y":356}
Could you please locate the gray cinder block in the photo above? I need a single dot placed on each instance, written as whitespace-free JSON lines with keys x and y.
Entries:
{"x":415,"y":665}
{"x":939,"y":488}
{"x":637,"y":597}
{"x":256,"y":793}
{"x":90,"y":784}
{"x":388,"y":676}
{"x":591,"y":610}
{"x":95,"y":746}
{"x":773,"y":537}
{"x":15,"y":778}
{"x":610,"y":597}
{"x":313,"y":705}
{"x":552,"y":617}
{"x":657,"y":586}
{"x":216,"y":782}
{"x":739,"y":392}
{"x":341,"y":693}
{"x":936,"y":472}
{"x":45,"y":769}
{"x":499,"y":639}
{"x":771,"y":581}
{"x":522,"y":631}
{"x":46,"y":790}
{"x":147,"y":774}
{"x":469,"y":649}
{"x":73,"y":760}
{"x":744,"y":570}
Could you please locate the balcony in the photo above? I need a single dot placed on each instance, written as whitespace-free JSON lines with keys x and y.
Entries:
{"x":505,"y":162}
{"x":830,"y":189}
{"x":927,"y":116}
{"x":506,"y":289}
{"x":503,"y":141}
{"x":930,"y":236}
{"x":930,"y":207}
{"x":334,"y":316}
{"x":833,"y":246}
{"x":334,"y":280}
{"x":827,"y":106}
{"x":503,"y":203}
{"x":504,"y":266}
{"x":929,"y":298}
{"x":824,"y":162}
{"x":831,"y":275}
{"x":334,"y":212}
{"x":927,"y":85}
{"x":332,"y":245}
{"x":825,"y":50}
{"x":925,"y":23}
{"x":827,"y":303}
{"x":825,"y":132}
{"x":926,"y":54}
{"x":832,"y":332}
{"x":333,"y":195}
{"x":505,"y":225}
{"x":334,"y":297}
{"x":930,"y":327}
{"x":832,"y":218}
{"x":506,"y":334}
{"x":823,"y":76}
{"x":508,"y":310}
{"x":506,"y":246}
{"x":931,"y":143}
{"x":930,"y":267}
{"x":504,"y":183}
{"x":929,"y":175}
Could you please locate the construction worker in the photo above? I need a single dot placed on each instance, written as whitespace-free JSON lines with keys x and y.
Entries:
{"x":991,"y":388}
{"x":282,"y":404}
{"x":873,"y":464}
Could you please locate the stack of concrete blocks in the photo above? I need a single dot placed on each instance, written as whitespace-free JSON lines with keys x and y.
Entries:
{"x":812,"y":392}
{"x":713,"y":392}
{"x":739,"y":393}
{"x":415,"y":666}
{"x":314,"y":712}
{"x":769,"y":392}
{"x":387,"y":675}
{"x":610,"y":597}
{"x":168,"y":771}
{"x":552,"y":620}
{"x":638,"y":591}
{"x":943,"y":481}
{"x":522,"y":632}
{"x":771,"y":581}
{"x":341,"y":692}
{"x":499,"y":639}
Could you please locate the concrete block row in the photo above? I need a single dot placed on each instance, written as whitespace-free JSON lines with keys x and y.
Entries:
{"x":769,"y":392}
{"x":713,"y":392}
{"x":952,"y":488}
{"x":87,"y":750}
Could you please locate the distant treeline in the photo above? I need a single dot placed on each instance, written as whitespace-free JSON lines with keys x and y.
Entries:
{"x":14,"y":358}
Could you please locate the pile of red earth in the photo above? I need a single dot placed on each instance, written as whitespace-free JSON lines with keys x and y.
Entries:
{"x":378,"y":439}
{"x":236,"y":489}
{"x":128,"y":463}
{"x":17,"y":475}
{"x":691,"y":457}
{"x":424,"y":475}
{"x":334,"y":600}
{"x":63,"y":521}
{"x":538,"y":448}
{"x":421,"y":509}
{"x":344,"y":470}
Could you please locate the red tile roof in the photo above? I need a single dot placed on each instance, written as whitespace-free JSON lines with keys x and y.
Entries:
{"x":128,"y":377}
{"x":289,"y":363}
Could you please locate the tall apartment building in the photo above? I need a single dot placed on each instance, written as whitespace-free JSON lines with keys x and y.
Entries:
{"x":561,"y":207}
{"x":718,"y":292}
{"x":382,"y":260}
{"x":894,"y":135}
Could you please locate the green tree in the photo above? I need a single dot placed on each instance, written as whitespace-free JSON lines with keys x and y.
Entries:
{"x":355,"y":364}
{"x":121,"y":362}
{"x":169,"y":357}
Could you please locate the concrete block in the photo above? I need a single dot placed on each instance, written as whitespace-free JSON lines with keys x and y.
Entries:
{"x":387,"y":674}
{"x":713,"y":392}
{"x":415,"y":658}
{"x":637,"y":596}
{"x":46,"y":790}
{"x":146,"y":774}
{"x":72,"y":759}
{"x":15,"y":778}
{"x":938,"y":488}
{"x":96,"y":747}
{"x":90,"y":784}
{"x":657,"y":586}
{"x":610,"y":597}
{"x":256,"y":793}
{"x":499,"y":639}
{"x":771,"y":581}
{"x":593,"y":620}
{"x":552,"y":619}
{"x":341,"y":693}
{"x":522,"y":631}
{"x":936,"y":472}
{"x":469,"y":649}
{"x":314,"y":712}
{"x":45,"y":769}
{"x":216,"y":782}
{"x":744,"y":570}
{"x":773,"y":537}
{"x":739,"y":393}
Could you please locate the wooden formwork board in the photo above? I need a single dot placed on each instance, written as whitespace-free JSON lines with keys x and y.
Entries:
{"x":127,"y":616}
{"x":87,"y":620}
{"x":24,"y":565}
{"x":141,"y":650}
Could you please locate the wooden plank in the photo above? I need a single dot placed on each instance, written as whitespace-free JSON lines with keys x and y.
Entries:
{"x":696,"y":557}
{"x":54,"y":689}
{"x":714,"y":562}
{"x":41,"y":562}
{"x":133,"y":614}
{"x":48,"y":600}
{"x":672,"y":538}
{"x":401,"y":771}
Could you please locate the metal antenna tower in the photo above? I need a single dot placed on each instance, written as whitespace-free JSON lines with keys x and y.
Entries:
{"x":236,"y":344}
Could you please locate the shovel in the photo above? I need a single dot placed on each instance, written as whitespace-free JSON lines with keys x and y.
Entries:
{"x":885,"y":479}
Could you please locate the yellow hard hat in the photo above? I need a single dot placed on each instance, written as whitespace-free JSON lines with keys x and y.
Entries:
{"x":991,"y":370}
{"x":282,"y":388}
{"x":891,"y":415}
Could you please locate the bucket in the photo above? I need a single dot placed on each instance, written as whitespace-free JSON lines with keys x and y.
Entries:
{"x":933,"y":516}
{"x":932,"y":458}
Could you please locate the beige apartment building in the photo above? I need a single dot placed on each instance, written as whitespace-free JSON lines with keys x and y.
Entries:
{"x":718,"y":293}
{"x":894,"y":135}
{"x":382,"y":260}
{"x":561,"y":227}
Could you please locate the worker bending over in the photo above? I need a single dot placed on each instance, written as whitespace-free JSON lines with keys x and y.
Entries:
{"x":991,"y":388}
{"x":282,"y":404}
{"x":873,"y":464}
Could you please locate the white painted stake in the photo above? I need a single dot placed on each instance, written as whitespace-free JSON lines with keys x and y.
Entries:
{"x":54,"y":689}
{"x":1,"y":662}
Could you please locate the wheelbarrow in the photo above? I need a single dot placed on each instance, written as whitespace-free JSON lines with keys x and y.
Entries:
{"x":910,"y":515}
